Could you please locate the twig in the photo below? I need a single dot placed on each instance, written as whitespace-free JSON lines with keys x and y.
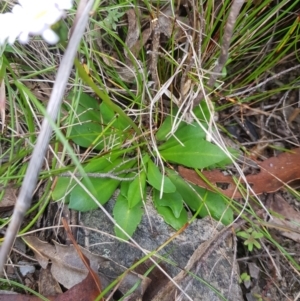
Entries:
{"x":98,"y":175}
{"x":35,"y":164}
{"x":234,"y":11}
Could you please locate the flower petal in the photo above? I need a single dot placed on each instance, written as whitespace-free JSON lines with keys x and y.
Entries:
{"x":50,"y":36}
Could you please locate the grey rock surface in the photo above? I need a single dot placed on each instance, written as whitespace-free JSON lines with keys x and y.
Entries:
{"x":215,"y":268}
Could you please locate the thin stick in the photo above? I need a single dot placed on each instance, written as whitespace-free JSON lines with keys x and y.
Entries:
{"x":35,"y":164}
{"x":233,"y":14}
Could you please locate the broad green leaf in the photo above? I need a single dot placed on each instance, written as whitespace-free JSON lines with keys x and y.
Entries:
{"x":155,"y":179}
{"x":215,"y":206}
{"x":61,"y":188}
{"x":194,"y":153}
{"x":234,"y":153}
{"x":187,"y":132}
{"x":172,"y":200}
{"x":90,"y":127}
{"x":103,"y":188}
{"x":136,"y":190}
{"x":86,"y":102}
{"x":86,"y":133}
{"x":127,"y":218}
{"x":88,"y":123}
{"x":170,"y":219}
{"x":166,"y":127}
{"x":145,"y":159}
{"x":96,"y":165}
{"x":211,"y":203}
{"x":189,"y":195}
{"x":202,"y":111}
{"x":124,"y":188}
{"x":108,"y":115}
{"x":102,"y":164}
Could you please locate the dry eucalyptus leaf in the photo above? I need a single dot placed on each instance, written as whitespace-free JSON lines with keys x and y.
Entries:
{"x":41,"y":90}
{"x":9,"y":199}
{"x":86,"y":290}
{"x":48,"y":286}
{"x":67,"y":267}
{"x":287,"y":217}
{"x":133,"y":33}
{"x":274,"y":173}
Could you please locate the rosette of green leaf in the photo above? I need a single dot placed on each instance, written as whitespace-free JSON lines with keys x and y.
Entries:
{"x":210,"y":203}
{"x":170,"y":207}
{"x":156,"y":178}
{"x":95,"y":125}
{"x":128,"y":211}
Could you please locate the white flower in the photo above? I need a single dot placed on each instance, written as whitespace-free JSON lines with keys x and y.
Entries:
{"x":8,"y":31}
{"x":33,"y":17}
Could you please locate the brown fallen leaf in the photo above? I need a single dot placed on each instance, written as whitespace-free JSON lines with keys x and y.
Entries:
{"x":274,"y":173}
{"x":9,"y":198}
{"x":86,"y":290}
{"x":48,"y":285}
{"x":68,"y":269}
{"x":286,"y":218}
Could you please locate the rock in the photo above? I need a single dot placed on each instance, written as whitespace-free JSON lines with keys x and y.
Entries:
{"x":195,"y":248}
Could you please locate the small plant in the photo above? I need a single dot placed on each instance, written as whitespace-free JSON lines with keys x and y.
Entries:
{"x":125,"y":168}
{"x":244,"y":278}
{"x":251,"y":238}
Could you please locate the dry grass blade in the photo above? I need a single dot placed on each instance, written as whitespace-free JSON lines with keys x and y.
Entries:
{"x":30,"y":180}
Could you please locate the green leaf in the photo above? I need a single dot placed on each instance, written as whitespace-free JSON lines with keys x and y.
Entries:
{"x":189,"y":194}
{"x":95,"y":165}
{"x":202,"y":111}
{"x":88,"y":123}
{"x":187,"y":132}
{"x":170,"y":219}
{"x":127,"y":218}
{"x":109,"y":115}
{"x":102,"y":164}
{"x":172,"y":200}
{"x":155,"y":179}
{"x":166,"y":127}
{"x":215,"y":206}
{"x":124,"y":188}
{"x":194,"y":153}
{"x":61,"y":188}
{"x":136,"y":190}
{"x":243,"y":234}
{"x":103,"y":188}
{"x":212,"y":203}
